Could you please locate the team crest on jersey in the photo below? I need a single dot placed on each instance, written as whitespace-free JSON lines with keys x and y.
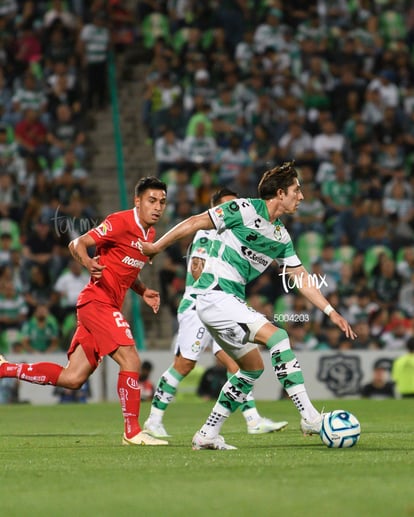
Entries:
{"x":278,"y":232}
{"x":104,"y":228}
{"x":195,"y":347}
{"x":219,"y":212}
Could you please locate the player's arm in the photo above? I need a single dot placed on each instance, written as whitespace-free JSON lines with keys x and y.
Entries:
{"x":309,"y":290}
{"x":79,"y":250}
{"x":183,"y":229}
{"x":150,"y":296}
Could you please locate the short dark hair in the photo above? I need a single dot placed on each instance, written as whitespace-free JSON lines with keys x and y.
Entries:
{"x":147,"y":183}
{"x":277,"y":178}
{"x":410,"y":344}
{"x":221,"y":193}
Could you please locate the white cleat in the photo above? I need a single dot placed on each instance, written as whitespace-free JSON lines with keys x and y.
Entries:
{"x":265,"y":425}
{"x":2,"y":359}
{"x":142,"y":438}
{"x":156,"y":430}
{"x":201,"y":442}
{"x":311,"y":427}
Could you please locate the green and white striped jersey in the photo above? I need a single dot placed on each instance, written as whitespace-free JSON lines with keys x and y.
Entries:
{"x":244,"y":246}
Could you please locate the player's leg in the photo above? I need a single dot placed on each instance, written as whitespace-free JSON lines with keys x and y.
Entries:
{"x":129,"y":396}
{"x":165,"y":394}
{"x":231,"y":397}
{"x":288,"y":371}
{"x":256,"y":424}
{"x":72,"y":376}
{"x":192,"y":339}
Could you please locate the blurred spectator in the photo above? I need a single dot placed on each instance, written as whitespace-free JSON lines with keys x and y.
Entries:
{"x":66,"y":134}
{"x":380,"y":387}
{"x":13,"y":312}
{"x":328,"y":140}
{"x":169,"y":151}
{"x":397,"y":332}
{"x":199,"y":150}
{"x":41,"y":332}
{"x":9,"y":390}
{"x":226,"y":115}
{"x":41,"y":248}
{"x":296,"y":144}
{"x":212,"y":381}
{"x":403,"y":371}
{"x":145,"y":384}
{"x":31,"y":135}
{"x":262,"y":151}
{"x":93,"y":45}
{"x":230,"y":162}
{"x":10,"y":202}
{"x":67,"y":396}
{"x":310,"y":214}
{"x":364,"y":340}
{"x":386,"y":282}
{"x":67,"y":287}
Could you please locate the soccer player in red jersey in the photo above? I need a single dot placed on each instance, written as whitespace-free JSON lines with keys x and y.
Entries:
{"x":101,"y":327}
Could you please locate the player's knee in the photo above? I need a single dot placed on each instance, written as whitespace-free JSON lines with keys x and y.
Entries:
{"x":73,"y":380}
{"x":277,"y":337}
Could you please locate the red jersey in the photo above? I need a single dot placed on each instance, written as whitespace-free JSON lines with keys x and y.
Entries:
{"x":117,"y":246}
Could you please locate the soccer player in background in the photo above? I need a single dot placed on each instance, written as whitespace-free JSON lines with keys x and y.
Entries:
{"x":193,"y":339}
{"x":101,"y":327}
{"x":249,"y":237}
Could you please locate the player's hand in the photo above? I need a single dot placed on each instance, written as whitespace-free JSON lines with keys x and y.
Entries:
{"x":94,"y":268}
{"x":152,"y":298}
{"x":343,"y":325}
{"x":147,"y":248}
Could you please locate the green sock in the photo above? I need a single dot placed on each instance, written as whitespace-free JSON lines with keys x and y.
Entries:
{"x":166,"y":390}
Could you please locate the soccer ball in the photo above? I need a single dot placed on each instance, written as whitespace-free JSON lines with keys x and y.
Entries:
{"x":340,"y":429}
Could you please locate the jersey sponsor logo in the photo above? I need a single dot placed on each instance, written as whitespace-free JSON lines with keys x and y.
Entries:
{"x":139,"y":264}
{"x":132,"y":383}
{"x":104,"y":228}
{"x":254,"y":257}
{"x":136,"y":244}
{"x":219,"y":212}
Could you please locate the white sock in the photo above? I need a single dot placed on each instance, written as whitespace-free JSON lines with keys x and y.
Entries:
{"x":214,"y":422}
{"x":156,"y":415}
{"x":303,"y":404}
{"x":251,"y":416}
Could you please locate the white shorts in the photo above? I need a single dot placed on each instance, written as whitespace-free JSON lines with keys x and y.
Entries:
{"x":193,"y":337}
{"x":231,"y":322}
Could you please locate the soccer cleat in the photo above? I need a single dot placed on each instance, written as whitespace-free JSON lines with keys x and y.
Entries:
{"x":314,"y":427}
{"x":2,"y":359}
{"x":265,"y":425}
{"x":142,"y":438}
{"x":201,"y":442}
{"x":155,"y":430}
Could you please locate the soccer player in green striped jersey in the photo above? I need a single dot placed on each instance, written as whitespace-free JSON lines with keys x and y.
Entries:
{"x":193,"y":338}
{"x":250,"y":235}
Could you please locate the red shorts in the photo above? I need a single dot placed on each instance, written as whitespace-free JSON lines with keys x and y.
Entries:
{"x":100,"y":331}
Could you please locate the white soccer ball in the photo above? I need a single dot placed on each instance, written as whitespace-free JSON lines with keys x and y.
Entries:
{"x":340,"y":429}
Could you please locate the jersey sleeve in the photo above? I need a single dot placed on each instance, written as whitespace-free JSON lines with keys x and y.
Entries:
{"x":108,"y":231}
{"x":287,"y":255}
{"x":229,"y":214}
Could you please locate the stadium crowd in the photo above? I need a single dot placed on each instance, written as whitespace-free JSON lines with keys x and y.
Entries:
{"x":53,"y":58}
{"x":237,"y":86}
{"x":232,"y":88}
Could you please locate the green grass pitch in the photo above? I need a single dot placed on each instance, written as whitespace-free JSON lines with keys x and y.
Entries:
{"x":67,"y":460}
